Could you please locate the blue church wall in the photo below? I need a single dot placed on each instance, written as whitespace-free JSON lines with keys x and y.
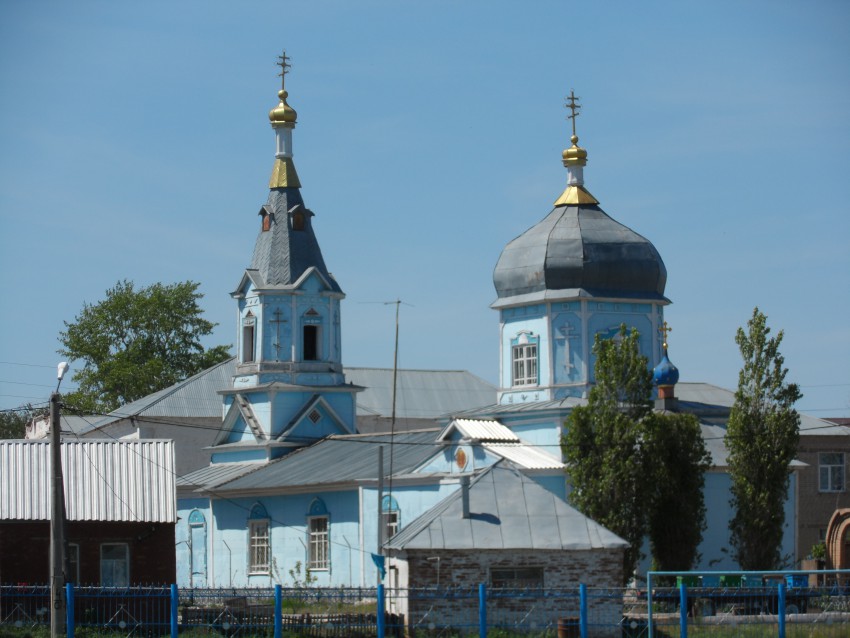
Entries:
{"x":288,"y":539}
{"x":191,"y":542}
{"x":568,"y":357}
{"x":606,"y":322}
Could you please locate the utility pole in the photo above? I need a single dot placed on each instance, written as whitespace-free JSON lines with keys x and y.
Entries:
{"x":58,"y":549}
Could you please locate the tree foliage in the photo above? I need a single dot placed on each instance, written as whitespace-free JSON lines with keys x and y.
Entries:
{"x":602,"y":445}
{"x":636,"y":471}
{"x":13,"y":424}
{"x":677,"y":460}
{"x":135,"y":342}
{"x":761,"y":438}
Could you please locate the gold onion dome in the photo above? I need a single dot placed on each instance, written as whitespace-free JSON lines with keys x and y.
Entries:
{"x":282,"y":114}
{"x":574,"y":155}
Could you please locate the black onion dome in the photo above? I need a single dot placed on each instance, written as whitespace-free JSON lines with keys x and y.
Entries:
{"x":580,"y":252}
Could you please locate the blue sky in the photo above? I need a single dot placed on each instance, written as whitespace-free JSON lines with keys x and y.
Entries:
{"x":135,"y":144}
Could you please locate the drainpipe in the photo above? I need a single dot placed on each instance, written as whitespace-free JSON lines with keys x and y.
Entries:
{"x":464,"y":495}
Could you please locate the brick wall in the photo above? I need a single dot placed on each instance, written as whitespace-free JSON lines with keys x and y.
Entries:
{"x":562,"y":570}
{"x":815,"y":507}
{"x":25,"y":550}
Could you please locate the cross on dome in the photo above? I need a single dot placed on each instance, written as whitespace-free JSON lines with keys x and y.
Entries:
{"x":574,"y":106}
{"x":283,"y":63}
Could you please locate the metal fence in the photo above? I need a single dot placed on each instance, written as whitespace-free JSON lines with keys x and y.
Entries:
{"x":790,"y":605}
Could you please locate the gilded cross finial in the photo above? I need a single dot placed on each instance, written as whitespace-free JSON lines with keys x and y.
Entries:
{"x":283,"y":63}
{"x":665,"y":329}
{"x":574,"y":106}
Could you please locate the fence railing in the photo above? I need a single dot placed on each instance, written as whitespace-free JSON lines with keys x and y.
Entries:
{"x":671,"y":605}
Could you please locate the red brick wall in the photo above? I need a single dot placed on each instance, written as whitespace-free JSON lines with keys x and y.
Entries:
{"x":25,"y":550}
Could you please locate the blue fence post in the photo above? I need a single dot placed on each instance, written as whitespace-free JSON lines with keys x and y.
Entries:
{"x":482,"y":611}
{"x":780,"y":609}
{"x":69,"y":610}
{"x":380,"y":611}
{"x":582,"y":609}
{"x":278,"y":611}
{"x":175,"y":604}
{"x":683,"y":610}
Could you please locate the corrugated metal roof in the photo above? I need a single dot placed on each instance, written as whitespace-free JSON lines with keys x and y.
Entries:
{"x":508,"y":510}
{"x":105,"y":480}
{"x":339,"y":459}
{"x":525,"y":456}
{"x":420,"y":394}
{"x":216,"y":474}
{"x":479,"y":430}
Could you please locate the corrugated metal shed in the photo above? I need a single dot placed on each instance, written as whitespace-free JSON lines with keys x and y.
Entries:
{"x":508,"y":510}
{"x":337,"y":459}
{"x":105,"y":480}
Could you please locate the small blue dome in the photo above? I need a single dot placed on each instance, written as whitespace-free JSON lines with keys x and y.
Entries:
{"x":665,"y":373}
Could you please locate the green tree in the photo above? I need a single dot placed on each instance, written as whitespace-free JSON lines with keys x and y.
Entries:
{"x":677,"y":460}
{"x":136,"y":342}
{"x":13,"y":424}
{"x":761,"y":439}
{"x":602,"y":445}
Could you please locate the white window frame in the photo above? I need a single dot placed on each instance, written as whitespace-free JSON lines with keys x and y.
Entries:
{"x":259,"y":546}
{"x":391,"y":522}
{"x":108,"y":565}
{"x":318,"y":537}
{"x":524,"y":364}
{"x":248,"y":352}
{"x":831,"y":472}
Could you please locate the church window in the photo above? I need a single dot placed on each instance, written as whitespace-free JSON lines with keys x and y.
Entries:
{"x":524,"y":358}
{"x":248,"y":339}
{"x":267,"y":222}
{"x":390,"y":517}
{"x":311,"y":342}
{"x":259,"y":545}
{"x":318,"y":538}
{"x":298,"y":220}
{"x":831,"y":469}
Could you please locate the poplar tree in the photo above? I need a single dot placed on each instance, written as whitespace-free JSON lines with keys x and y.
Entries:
{"x":602,"y":445}
{"x":761,"y":438}
{"x":676,"y":462}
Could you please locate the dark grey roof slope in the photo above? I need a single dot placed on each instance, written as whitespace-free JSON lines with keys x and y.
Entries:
{"x":580,"y":252}
{"x":508,"y":510}
{"x":282,"y":254}
{"x":195,"y":397}
{"x":337,"y":459}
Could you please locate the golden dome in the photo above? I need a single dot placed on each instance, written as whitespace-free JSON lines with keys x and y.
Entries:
{"x":282,"y":114}
{"x":574,"y":155}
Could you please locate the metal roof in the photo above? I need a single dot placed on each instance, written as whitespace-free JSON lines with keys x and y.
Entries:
{"x":579,"y":249}
{"x":526,"y":456}
{"x":216,"y":474}
{"x":281,"y":254}
{"x":420,"y":394}
{"x":337,"y":459}
{"x":479,"y":430}
{"x":105,"y":480}
{"x":508,"y":510}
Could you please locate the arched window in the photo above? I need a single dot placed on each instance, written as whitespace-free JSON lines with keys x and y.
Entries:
{"x":524,"y":359}
{"x":318,"y":536}
{"x":391,"y":517}
{"x":311,"y":336}
{"x":259,"y":545}
{"x":248,"y":324}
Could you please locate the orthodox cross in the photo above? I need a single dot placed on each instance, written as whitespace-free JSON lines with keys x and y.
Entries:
{"x":566,"y":333}
{"x":664,"y":330}
{"x":283,"y":63}
{"x":574,"y":106}
{"x":277,"y":321}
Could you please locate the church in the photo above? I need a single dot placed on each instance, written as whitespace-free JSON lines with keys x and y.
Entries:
{"x":297,"y":493}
